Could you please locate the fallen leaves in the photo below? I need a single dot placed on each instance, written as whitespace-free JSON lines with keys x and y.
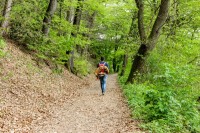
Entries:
{"x":27,"y":93}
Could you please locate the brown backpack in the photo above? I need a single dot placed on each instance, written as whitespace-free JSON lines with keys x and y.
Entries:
{"x":101,"y":70}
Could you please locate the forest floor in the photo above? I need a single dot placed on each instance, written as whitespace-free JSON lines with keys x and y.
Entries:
{"x":33,"y":99}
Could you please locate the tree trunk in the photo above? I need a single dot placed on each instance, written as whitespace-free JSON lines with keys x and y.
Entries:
{"x":91,"y":19}
{"x":76,"y":22}
{"x":6,"y":15}
{"x":48,"y":16}
{"x":173,"y":26}
{"x":125,"y":58}
{"x":141,"y":29}
{"x":145,"y":48}
{"x":71,"y":61}
{"x":138,"y":63}
{"x":90,"y":25}
{"x":132,"y":35}
{"x":114,"y":64}
{"x":70,"y":14}
{"x":114,"y":59}
{"x":77,"y":16}
{"x":70,"y":18}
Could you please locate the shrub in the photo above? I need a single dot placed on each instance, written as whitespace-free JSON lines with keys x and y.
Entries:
{"x":82,"y":66}
{"x":2,"y":46}
{"x":163,"y":109}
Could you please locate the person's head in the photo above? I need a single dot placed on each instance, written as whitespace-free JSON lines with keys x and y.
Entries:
{"x":102,"y":58}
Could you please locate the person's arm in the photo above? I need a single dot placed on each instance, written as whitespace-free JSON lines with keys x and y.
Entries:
{"x":107,"y":65}
{"x":107,"y":71}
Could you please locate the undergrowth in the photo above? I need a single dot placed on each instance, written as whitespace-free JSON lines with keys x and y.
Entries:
{"x":2,"y":46}
{"x":165,"y":97}
{"x":163,"y":109}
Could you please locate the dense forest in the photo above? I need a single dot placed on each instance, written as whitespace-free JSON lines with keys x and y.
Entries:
{"x":153,"y":45}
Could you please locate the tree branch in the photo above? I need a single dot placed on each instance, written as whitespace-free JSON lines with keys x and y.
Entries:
{"x":160,"y":20}
{"x":140,"y":7}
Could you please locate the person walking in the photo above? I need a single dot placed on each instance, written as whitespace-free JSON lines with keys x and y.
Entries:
{"x":102,"y":74}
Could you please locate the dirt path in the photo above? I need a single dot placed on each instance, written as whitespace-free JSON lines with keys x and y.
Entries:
{"x":90,"y":112}
{"x":33,"y":99}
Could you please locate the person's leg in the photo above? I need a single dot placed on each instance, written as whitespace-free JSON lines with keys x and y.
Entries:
{"x":101,"y":83}
{"x":104,"y":84}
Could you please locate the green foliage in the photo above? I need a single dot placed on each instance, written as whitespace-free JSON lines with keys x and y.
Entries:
{"x":54,"y":50}
{"x":82,"y":66}
{"x":165,"y":96}
{"x":163,"y":109}
{"x":2,"y":2}
{"x":26,"y":28}
{"x":112,"y":29}
{"x":166,"y":109}
{"x":2,"y":46}
{"x":25,"y":22}
{"x":57,"y":70}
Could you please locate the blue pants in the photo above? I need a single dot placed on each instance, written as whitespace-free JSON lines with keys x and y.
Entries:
{"x":103,"y":83}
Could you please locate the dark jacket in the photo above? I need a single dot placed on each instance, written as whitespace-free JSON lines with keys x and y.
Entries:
{"x":102,"y":62}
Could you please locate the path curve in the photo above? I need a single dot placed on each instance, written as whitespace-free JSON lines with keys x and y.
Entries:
{"x":90,"y":112}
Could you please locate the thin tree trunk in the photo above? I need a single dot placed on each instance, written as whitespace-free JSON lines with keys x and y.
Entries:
{"x":125,"y":58}
{"x":91,"y":20}
{"x":76,"y":22}
{"x":48,"y":16}
{"x":160,"y":21}
{"x":114,"y":59}
{"x":145,"y":48}
{"x":134,"y":34}
{"x":90,"y":25}
{"x":6,"y":15}
{"x":71,"y":61}
{"x":70,"y":14}
{"x":173,"y":26}
{"x":141,"y":29}
{"x":60,"y":30}
{"x":193,"y":33}
{"x":114,"y":64}
{"x":70,"y":18}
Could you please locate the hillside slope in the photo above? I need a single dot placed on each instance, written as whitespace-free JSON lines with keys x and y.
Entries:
{"x":27,"y":92}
